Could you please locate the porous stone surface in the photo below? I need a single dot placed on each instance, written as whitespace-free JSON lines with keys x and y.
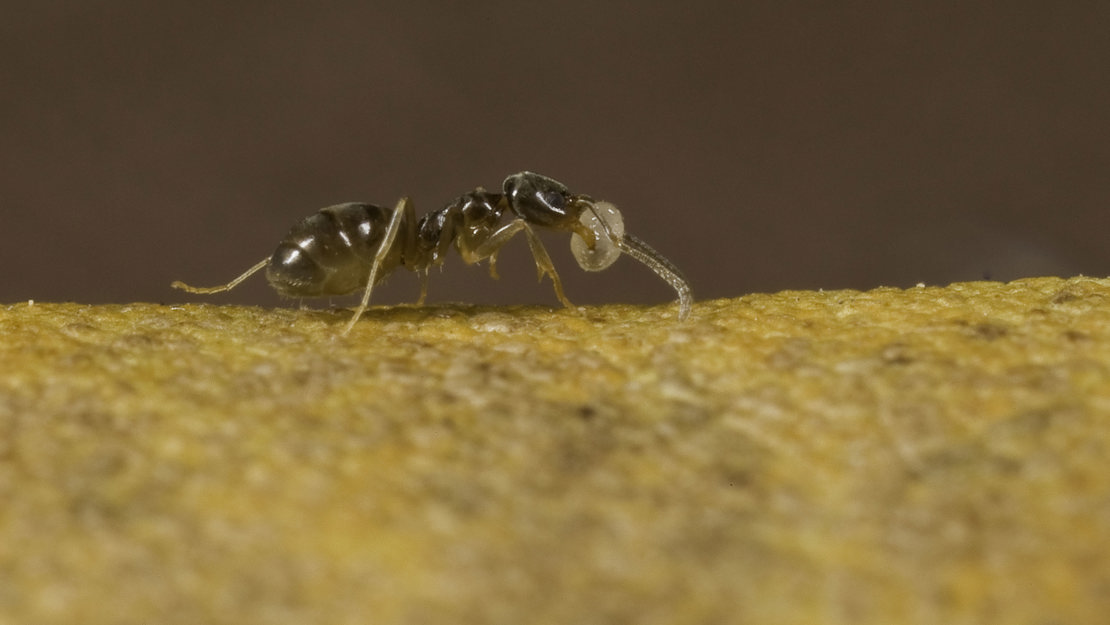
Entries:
{"x":928,"y":455}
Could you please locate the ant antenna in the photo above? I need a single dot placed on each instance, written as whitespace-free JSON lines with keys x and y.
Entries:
{"x":605,"y":251}
{"x":641,"y":251}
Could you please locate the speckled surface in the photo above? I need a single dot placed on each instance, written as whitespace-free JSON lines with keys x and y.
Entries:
{"x":930,"y":455}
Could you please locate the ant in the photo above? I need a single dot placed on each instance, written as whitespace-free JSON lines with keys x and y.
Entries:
{"x":352,"y":246}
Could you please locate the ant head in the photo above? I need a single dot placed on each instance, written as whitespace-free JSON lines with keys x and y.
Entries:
{"x":541,"y":201}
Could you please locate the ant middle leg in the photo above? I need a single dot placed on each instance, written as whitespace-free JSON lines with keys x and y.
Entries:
{"x":423,"y":273}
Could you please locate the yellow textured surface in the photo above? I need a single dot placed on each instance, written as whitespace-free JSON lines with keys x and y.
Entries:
{"x":931,"y":455}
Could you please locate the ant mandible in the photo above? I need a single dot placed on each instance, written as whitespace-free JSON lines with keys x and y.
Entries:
{"x":352,"y":246}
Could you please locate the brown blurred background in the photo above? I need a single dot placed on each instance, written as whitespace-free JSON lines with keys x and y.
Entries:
{"x":761,"y":146}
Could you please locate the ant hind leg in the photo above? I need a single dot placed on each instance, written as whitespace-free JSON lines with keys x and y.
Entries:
{"x":390,"y":235}
{"x":204,"y":290}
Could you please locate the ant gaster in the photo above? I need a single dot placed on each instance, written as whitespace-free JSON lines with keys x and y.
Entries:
{"x":347,"y":247}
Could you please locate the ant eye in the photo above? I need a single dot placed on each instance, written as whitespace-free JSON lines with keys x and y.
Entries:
{"x":555,"y":200}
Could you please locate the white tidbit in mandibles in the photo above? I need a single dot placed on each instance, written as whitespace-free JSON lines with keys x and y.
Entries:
{"x":608,"y":236}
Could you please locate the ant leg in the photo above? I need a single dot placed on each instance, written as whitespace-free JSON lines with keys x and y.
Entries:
{"x":177,"y":284}
{"x":411,"y":256}
{"x":491,"y":246}
{"x":544,"y":264}
{"x":423,"y":285}
{"x":391,"y":230}
{"x":493,"y":265}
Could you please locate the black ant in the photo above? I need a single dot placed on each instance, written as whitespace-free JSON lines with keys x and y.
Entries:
{"x":352,"y":246}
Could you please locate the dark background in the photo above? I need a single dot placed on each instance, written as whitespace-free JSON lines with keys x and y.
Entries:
{"x":760,"y":146}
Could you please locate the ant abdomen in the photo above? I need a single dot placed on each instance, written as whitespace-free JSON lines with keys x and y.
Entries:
{"x":331,"y":251}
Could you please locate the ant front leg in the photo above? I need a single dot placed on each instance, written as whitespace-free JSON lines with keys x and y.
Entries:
{"x":544,"y":264}
{"x":490,"y":247}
